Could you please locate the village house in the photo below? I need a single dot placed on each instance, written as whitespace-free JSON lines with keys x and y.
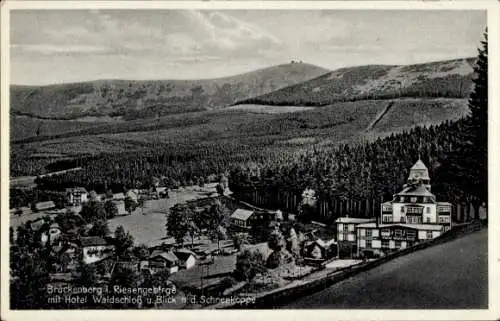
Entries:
{"x":76,"y":196}
{"x":320,"y":250}
{"x":241,"y":218}
{"x":412,"y":216}
{"x":186,"y":258}
{"x":95,"y":249}
{"x":161,"y":260}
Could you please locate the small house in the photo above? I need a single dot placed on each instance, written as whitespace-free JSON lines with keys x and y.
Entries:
{"x":241,"y":218}
{"x":320,"y":250}
{"x":187,"y":259}
{"x":158,"y":261}
{"x":76,"y":196}
{"x":95,"y":249}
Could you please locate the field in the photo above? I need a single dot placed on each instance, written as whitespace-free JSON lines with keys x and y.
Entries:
{"x":149,"y":228}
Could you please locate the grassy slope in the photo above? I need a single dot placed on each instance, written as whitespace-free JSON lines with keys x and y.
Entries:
{"x":140,"y":99}
{"x":451,"y":79}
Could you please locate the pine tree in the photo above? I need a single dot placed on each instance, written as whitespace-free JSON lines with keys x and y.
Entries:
{"x":478,"y":123}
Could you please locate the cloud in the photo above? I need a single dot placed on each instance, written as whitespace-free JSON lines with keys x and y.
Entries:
{"x":48,"y":49}
{"x":221,"y":33}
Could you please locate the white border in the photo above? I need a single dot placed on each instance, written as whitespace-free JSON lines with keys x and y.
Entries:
{"x":494,"y":144}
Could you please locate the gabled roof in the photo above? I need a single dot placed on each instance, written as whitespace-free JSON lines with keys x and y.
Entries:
{"x":419,"y":165}
{"x":169,"y":256}
{"x":184,"y":254}
{"x":37,"y":224}
{"x":324,"y":244}
{"x":241,"y":214}
{"x":45,"y":205}
{"x":354,"y":220}
{"x":93,"y":241}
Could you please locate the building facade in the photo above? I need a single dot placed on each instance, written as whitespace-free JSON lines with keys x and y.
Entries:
{"x":413,"y":215}
{"x":76,"y":196}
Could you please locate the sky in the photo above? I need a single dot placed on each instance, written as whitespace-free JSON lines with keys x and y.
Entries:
{"x":56,"y":46}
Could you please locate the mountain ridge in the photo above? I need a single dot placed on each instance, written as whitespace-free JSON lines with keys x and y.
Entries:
{"x":134,"y":99}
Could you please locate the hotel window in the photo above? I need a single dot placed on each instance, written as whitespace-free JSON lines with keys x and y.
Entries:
{"x":368,"y":244}
{"x":429,"y":234}
{"x":386,"y":232}
{"x":398,"y":232}
{"x":346,"y":227}
{"x":427,"y":219}
{"x":385,"y":243}
{"x":386,"y":218}
{"x":402,"y":209}
{"x":402,"y":219}
{"x":428,"y":210}
{"x":411,"y":234}
{"x":401,"y":199}
{"x":368,"y":233}
{"x":426,"y":199}
{"x":398,"y":244}
{"x":413,"y":199}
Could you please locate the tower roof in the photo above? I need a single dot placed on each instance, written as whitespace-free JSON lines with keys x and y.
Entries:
{"x":419,"y":165}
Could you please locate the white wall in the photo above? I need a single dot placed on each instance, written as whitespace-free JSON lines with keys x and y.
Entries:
{"x":422,"y":235}
{"x":362,"y":243}
{"x":351,"y":237}
{"x":190,"y":262}
{"x":403,"y":244}
{"x":376,"y":244}
{"x":432,"y":215}
{"x":435,"y":234}
{"x":87,"y":259}
{"x":392,"y":244}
